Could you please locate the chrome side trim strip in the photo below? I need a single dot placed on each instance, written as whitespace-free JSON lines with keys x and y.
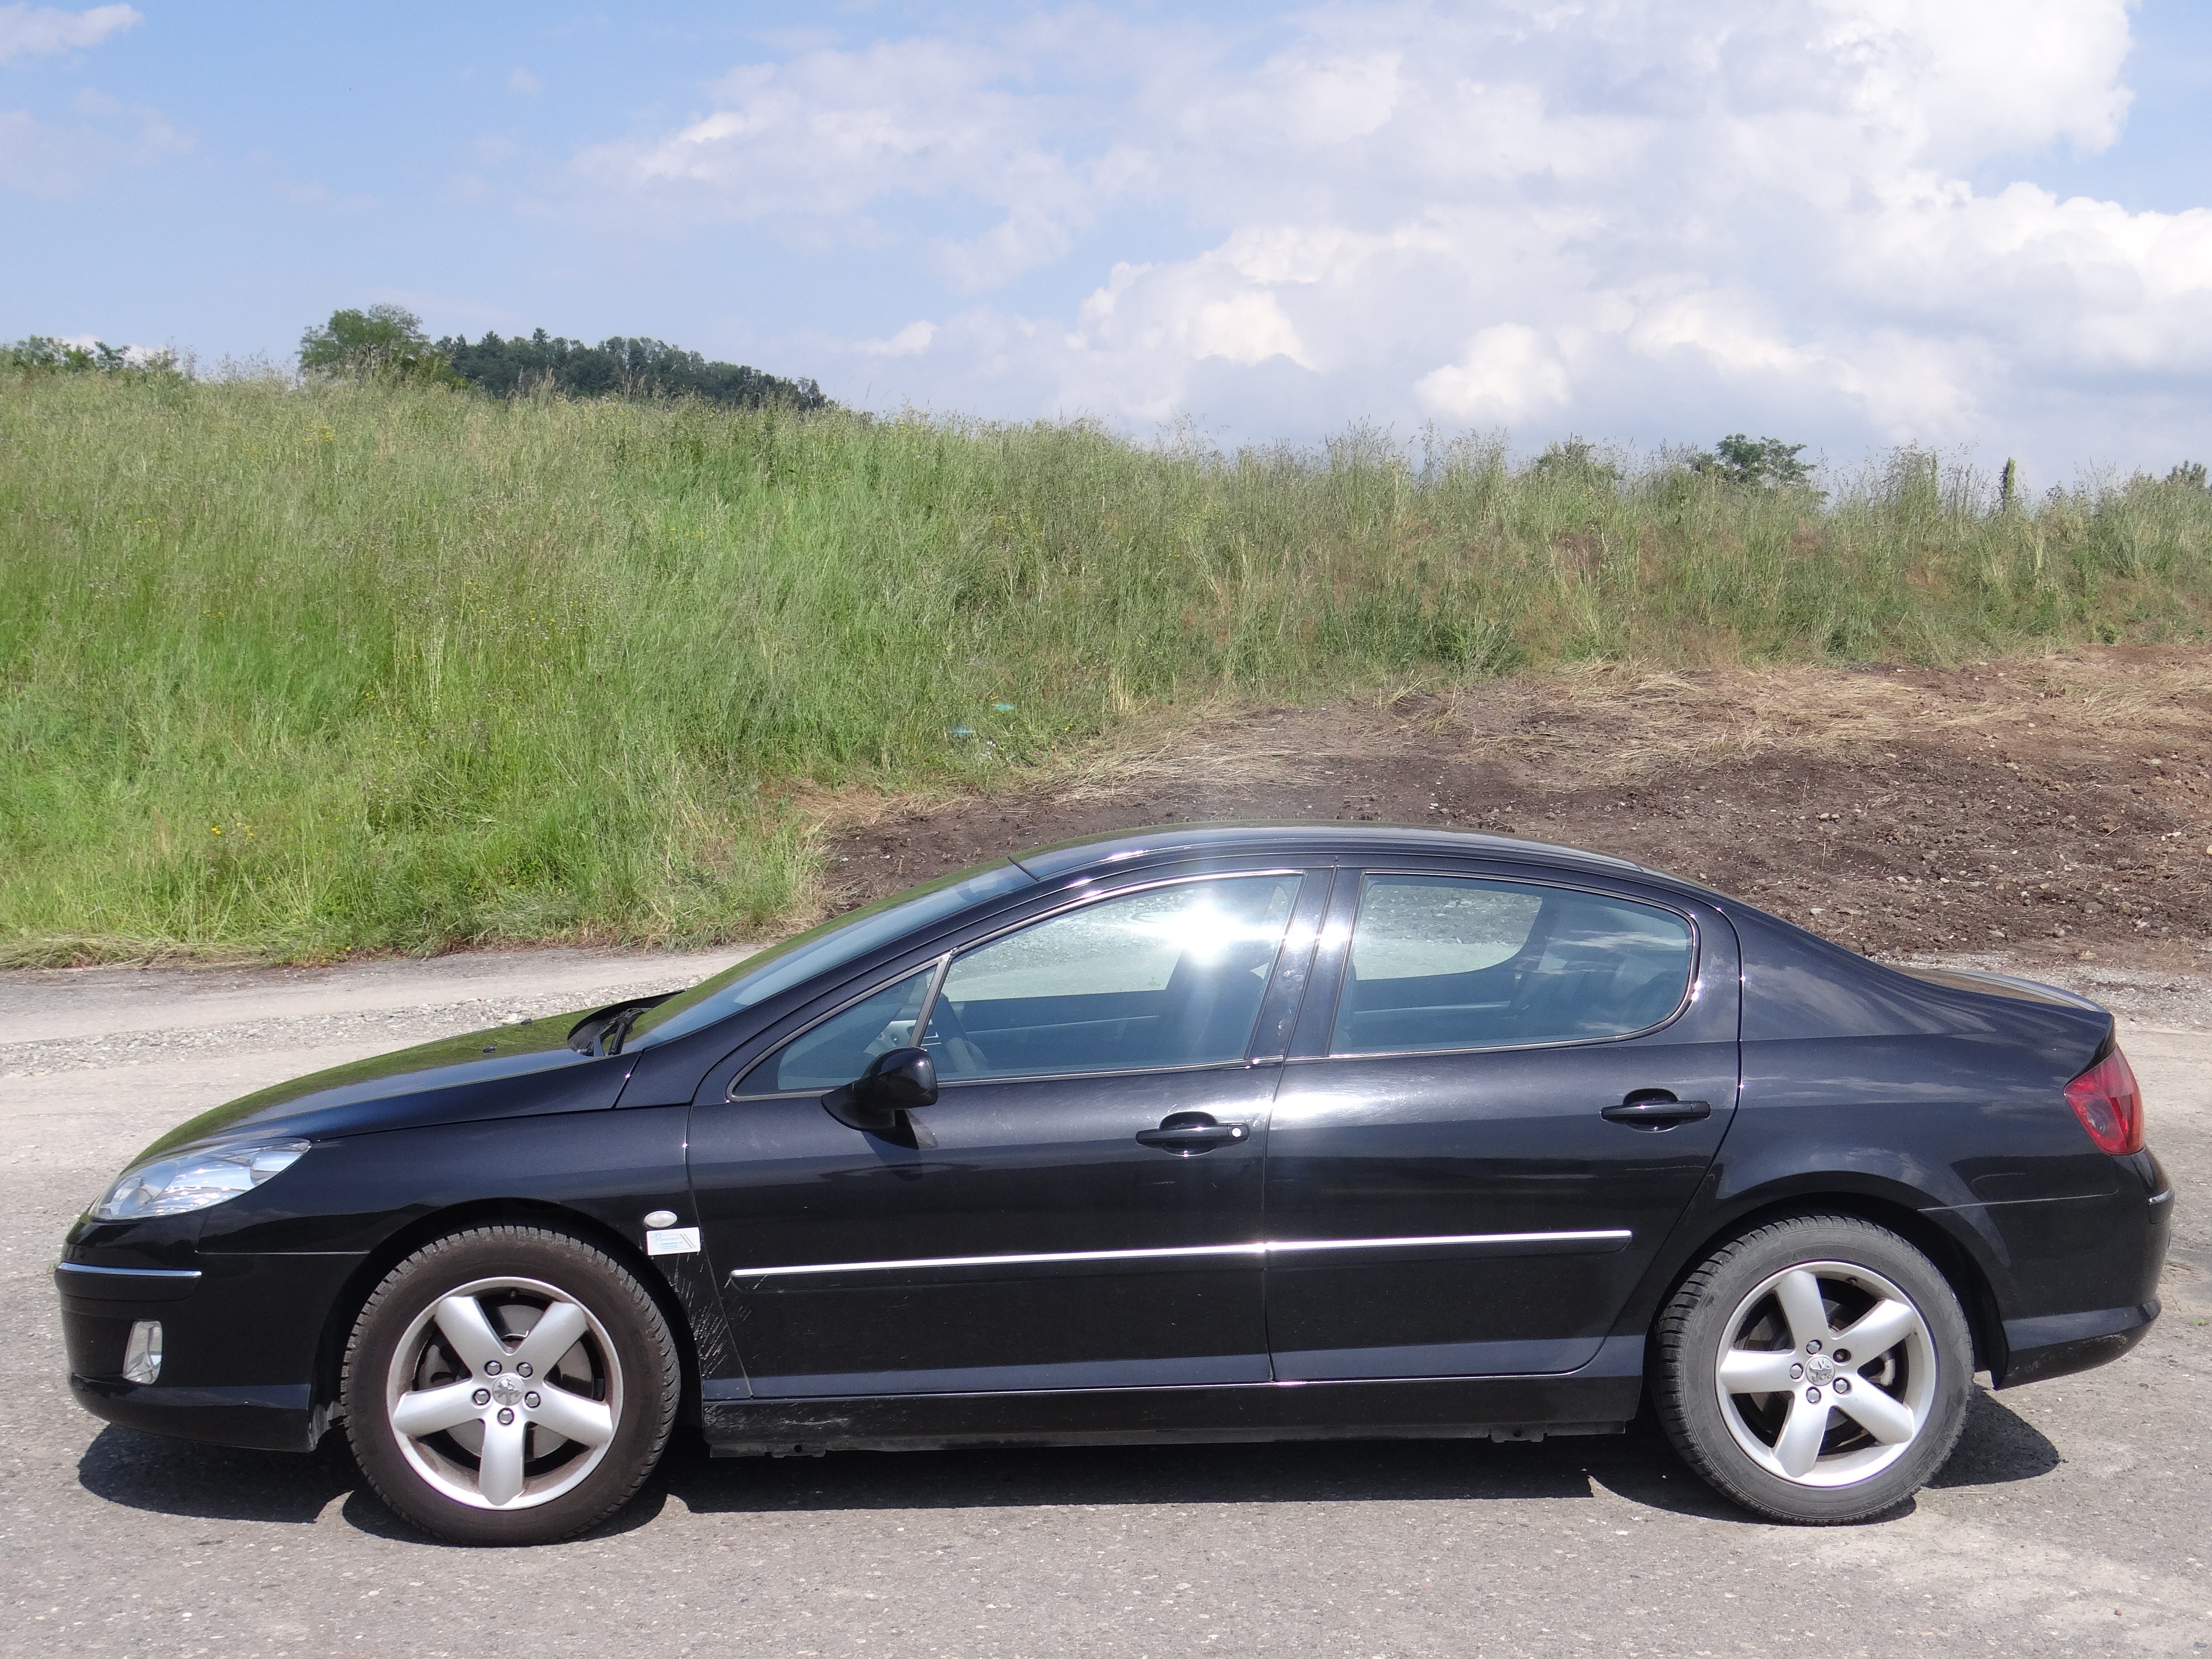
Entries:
{"x":1264,"y":1248}
{"x":1607,"y":1236}
{"x":129,"y":1273}
{"x":999,"y":1261}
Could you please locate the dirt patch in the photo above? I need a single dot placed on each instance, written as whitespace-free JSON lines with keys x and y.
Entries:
{"x":2052,"y":808}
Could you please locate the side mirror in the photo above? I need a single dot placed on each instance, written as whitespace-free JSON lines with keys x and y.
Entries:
{"x":898,"y":1080}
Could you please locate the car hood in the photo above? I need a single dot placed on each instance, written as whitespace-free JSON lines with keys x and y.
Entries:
{"x":508,"y":1071}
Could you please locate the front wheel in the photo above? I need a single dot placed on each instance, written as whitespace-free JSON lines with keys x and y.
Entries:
{"x":509,"y":1385}
{"x":1816,"y":1370}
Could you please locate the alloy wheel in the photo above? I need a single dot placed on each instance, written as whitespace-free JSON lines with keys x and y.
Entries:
{"x":1826,"y":1374}
{"x":504,"y":1393}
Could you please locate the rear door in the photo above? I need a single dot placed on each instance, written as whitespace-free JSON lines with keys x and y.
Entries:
{"x":1503,"y":1092}
{"x":1080,"y":1208}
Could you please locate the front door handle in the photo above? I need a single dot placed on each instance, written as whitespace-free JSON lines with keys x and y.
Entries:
{"x":1654,"y":1109}
{"x":1185,"y":1133}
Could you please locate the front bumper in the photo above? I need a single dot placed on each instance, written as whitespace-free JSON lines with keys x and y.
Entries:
{"x":243,"y":1340}
{"x":284,"y":1417}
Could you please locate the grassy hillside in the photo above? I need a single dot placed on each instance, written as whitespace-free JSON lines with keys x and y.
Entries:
{"x":292,"y":672}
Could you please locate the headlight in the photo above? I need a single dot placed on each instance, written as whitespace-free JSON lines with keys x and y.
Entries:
{"x":193,"y":1179}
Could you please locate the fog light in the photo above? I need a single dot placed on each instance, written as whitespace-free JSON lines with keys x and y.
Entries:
{"x":142,"y":1358}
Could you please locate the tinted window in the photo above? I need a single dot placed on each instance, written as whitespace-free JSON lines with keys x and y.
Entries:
{"x":821,"y":949}
{"x":1168,"y":976}
{"x":1448,"y":961}
{"x":839,"y":1050}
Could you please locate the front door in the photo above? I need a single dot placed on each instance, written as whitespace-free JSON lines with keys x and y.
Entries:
{"x":1080,"y":1208}
{"x":1500,"y":1114}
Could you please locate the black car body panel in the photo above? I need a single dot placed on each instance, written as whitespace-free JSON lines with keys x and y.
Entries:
{"x":1497,"y":1407}
{"x":1397,"y":1242}
{"x":1030,"y":1166}
{"x":1952,"y":1089}
{"x":507,"y":1072}
{"x":1573,"y":1208}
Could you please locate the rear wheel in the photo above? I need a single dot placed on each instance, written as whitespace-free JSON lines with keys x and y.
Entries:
{"x":1816,"y":1370}
{"x":509,"y":1385}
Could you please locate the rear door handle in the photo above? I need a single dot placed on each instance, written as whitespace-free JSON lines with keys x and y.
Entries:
{"x":1656,"y":1110}
{"x":1187,"y":1133}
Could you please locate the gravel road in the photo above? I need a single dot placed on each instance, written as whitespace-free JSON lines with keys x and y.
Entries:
{"x":2075,"y":1518}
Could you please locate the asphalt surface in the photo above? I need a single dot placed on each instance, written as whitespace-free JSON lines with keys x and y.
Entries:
{"x":2076,"y":1516}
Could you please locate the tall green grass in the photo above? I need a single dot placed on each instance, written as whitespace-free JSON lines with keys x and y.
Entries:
{"x":292,"y":672}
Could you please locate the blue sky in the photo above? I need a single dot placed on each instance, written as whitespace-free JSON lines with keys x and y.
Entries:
{"x":1985,"y":226}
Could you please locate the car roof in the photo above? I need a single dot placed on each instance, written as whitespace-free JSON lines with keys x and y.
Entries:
{"x":1293,"y":840}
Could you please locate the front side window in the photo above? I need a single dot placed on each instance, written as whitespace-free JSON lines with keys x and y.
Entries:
{"x":1171,"y":976}
{"x":1454,"y":961}
{"x":839,"y":1050}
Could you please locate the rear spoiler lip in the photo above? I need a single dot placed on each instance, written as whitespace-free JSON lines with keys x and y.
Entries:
{"x":2012,"y":985}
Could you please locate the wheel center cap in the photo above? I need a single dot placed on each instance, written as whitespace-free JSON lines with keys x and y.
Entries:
{"x":506,"y":1390}
{"x":1818,"y":1368}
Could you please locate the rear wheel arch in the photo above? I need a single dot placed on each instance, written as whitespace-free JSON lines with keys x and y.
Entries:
{"x":1797,"y":1429}
{"x":1952,"y":1258}
{"x":345,"y":1308}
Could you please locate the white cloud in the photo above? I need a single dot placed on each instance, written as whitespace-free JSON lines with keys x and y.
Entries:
{"x":1509,"y":373}
{"x":915,"y":336}
{"x":40,"y":158}
{"x":41,"y":31}
{"x":33,"y":156}
{"x":817,"y":139}
{"x":522,"y":81}
{"x":1634,"y":219}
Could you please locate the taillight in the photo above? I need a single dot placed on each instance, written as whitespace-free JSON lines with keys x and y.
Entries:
{"x":2109,"y":1102}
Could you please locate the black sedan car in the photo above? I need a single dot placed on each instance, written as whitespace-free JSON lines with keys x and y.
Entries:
{"x":1199,"y":1134}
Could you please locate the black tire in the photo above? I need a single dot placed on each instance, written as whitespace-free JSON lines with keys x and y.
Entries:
{"x":1741,"y":1443}
{"x":621,"y":1373}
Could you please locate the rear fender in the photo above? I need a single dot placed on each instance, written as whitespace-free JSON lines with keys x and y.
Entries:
{"x":1963,"y":1244}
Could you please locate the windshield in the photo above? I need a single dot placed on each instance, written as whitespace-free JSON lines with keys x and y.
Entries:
{"x":821,"y":949}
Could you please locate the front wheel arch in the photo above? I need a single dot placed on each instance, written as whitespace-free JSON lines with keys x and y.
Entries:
{"x":403,"y":1242}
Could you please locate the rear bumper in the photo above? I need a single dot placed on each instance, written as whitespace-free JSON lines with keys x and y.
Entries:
{"x":2087,"y":1272}
{"x":2059,"y":1344}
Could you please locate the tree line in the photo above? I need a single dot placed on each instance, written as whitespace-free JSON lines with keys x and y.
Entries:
{"x":386,"y":342}
{"x":41,"y":353}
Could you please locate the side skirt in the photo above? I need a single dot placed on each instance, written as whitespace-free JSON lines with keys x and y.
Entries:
{"x":1494,"y":1407}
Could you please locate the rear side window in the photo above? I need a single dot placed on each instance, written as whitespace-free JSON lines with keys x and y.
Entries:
{"x":1170,"y":976}
{"x":1453,"y":962}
